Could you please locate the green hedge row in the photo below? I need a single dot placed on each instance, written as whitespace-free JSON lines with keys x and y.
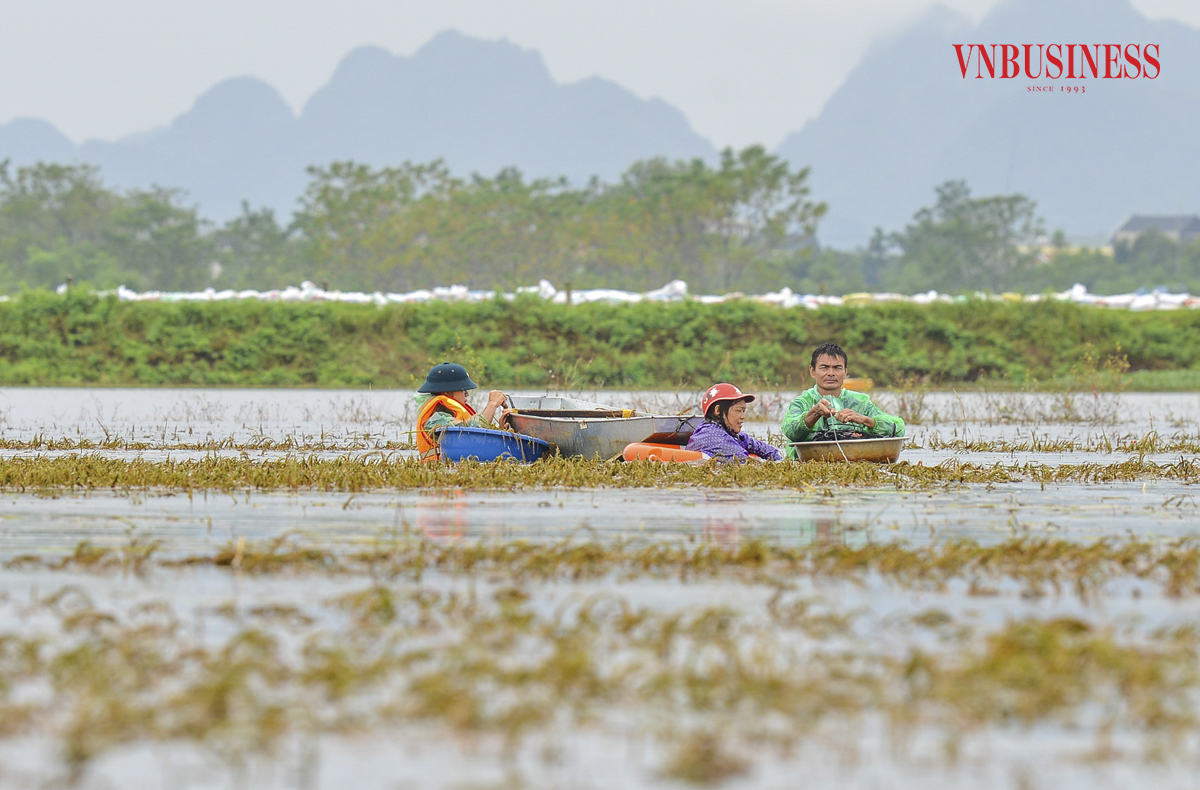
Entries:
{"x":81,"y":339}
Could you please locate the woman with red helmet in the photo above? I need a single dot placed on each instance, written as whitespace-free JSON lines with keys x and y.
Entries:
{"x":721,"y":434}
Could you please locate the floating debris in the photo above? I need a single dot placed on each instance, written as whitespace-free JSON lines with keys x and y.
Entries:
{"x":674,"y":291}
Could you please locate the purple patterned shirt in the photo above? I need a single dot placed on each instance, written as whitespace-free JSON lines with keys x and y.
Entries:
{"x":712,"y":438}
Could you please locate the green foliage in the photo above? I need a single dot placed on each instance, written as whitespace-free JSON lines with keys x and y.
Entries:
{"x":993,"y":244}
{"x":738,"y":224}
{"x":253,"y":250}
{"x":59,"y":221}
{"x":746,"y":224}
{"x":82,"y":339}
{"x":416,"y":225}
{"x":966,"y":244}
{"x":1152,"y":260}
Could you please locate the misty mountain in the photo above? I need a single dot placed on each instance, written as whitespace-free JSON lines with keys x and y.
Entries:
{"x":238,"y":142}
{"x":906,"y":120}
{"x":27,"y":140}
{"x":480,"y":105}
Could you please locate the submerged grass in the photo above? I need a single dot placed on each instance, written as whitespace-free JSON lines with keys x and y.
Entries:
{"x":1135,"y":444}
{"x":256,"y":444}
{"x":84,"y":472}
{"x":498,"y":663}
{"x":1036,"y":670}
{"x":1040,"y":566}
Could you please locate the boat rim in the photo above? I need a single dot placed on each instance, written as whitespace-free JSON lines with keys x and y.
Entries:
{"x":606,"y":417}
{"x":834,"y":442}
{"x":475,"y":430}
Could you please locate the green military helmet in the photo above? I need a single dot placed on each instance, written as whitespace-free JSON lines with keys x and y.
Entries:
{"x":447,"y":377}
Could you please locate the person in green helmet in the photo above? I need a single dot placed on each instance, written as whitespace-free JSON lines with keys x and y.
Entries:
{"x":442,"y":402}
{"x":829,"y":410}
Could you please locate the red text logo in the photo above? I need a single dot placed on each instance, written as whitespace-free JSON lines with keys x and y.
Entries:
{"x":1060,"y":61}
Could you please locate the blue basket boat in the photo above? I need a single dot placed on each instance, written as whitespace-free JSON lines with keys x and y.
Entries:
{"x":484,"y":444}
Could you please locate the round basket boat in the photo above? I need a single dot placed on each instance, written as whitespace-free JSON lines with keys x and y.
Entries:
{"x":879,"y":451}
{"x":483,"y":444}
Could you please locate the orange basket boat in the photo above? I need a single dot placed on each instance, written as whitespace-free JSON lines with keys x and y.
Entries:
{"x":648,"y":451}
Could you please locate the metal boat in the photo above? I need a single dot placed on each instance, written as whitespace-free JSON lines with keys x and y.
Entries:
{"x":591,"y":430}
{"x":879,"y":451}
{"x":554,"y":403}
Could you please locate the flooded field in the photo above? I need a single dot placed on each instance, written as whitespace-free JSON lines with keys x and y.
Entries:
{"x":211,"y":589}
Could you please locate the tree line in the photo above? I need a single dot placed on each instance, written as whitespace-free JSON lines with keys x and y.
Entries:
{"x":415,"y":226}
{"x":744,"y":223}
{"x":993,"y":244}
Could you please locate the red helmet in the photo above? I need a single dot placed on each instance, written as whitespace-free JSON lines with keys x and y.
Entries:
{"x":722,"y":392}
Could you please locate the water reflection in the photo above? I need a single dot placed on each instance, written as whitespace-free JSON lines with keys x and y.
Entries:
{"x":442,"y":515}
{"x":823,"y":531}
{"x":1155,"y":509}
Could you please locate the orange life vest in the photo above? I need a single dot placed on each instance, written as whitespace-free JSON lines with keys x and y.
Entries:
{"x":427,"y":444}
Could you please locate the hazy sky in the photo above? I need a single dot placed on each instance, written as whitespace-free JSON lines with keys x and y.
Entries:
{"x":745,"y":71}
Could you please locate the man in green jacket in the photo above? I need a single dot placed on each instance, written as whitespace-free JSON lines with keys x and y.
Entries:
{"x":828,"y":407}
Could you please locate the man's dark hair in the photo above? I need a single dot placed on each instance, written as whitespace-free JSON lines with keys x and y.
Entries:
{"x":829,"y":350}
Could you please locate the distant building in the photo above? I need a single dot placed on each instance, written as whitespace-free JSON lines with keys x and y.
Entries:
{"x":1180,"y":227}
